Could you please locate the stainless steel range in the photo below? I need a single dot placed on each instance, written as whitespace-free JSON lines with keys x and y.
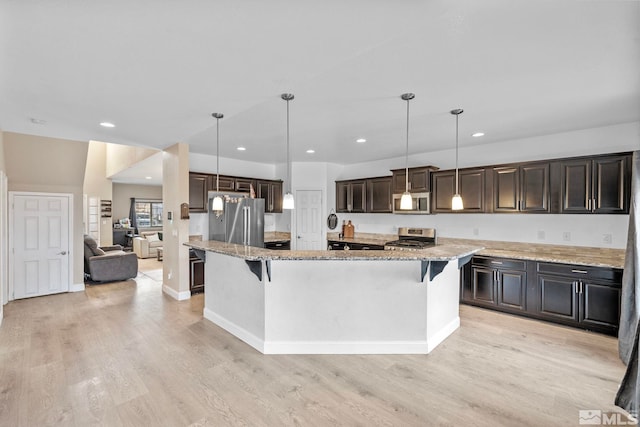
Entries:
{"x":412,"y":238}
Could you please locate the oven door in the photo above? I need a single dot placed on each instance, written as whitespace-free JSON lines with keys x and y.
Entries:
{"x":420,"y":204}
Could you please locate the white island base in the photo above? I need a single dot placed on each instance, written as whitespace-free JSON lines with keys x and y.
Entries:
{"x":332,"y":306}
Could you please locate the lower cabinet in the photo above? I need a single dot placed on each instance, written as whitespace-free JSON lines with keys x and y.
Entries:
{"x":339,"y":245}
{"x":278,"y":246}
{"x":196,"y":275}
{"x":584,"y":297}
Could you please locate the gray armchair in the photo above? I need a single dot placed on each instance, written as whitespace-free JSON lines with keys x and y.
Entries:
{"x":108,"y":263}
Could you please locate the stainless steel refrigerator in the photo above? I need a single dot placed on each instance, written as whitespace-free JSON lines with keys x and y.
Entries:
{"x":241,"y":221}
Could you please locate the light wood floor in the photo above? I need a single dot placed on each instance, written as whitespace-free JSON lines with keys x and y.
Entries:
{"x":125,"y":354}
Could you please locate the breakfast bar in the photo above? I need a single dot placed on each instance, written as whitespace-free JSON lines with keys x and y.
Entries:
{"x":334,"y":302}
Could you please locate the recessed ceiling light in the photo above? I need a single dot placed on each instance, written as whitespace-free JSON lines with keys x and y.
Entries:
{"x":148,"y":177}
{"x":241,"y":149}
{"x":361,"y":140}
{"x":311,"y":151}
{"x":107,"y":125}
{"x":37,"y":121}
{"x":478,"y":134}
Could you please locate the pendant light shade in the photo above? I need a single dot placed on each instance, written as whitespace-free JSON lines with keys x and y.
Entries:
{"x":217,"y":205}
{"x":406,"y":202}
{"x":287,"y":200}
{"x":456,"y":200}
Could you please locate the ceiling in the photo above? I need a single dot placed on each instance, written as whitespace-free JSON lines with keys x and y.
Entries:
{"x":157,"y":70}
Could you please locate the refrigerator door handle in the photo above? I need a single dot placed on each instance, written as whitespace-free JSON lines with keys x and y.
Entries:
{"x":245,"y":224}
{"x":248,"y":225}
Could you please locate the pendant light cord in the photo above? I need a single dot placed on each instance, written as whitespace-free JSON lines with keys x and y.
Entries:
{"x":457,"y":192}
{"x":217,"y":155}
{"x":288,"y":164}
{"x":406,"y":164}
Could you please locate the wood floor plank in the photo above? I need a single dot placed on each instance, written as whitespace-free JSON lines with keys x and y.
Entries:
{"x":126,"y":354}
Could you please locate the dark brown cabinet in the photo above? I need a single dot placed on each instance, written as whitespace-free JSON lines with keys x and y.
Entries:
{"x":379,"y":195}
{"x":243,"y":185}
{"x":281,"y":245}
{"x":226,"y":183}
{"x":588,"y":297}
{"x":198,"y":188}
{"x":196,"y":275}
{"x":271,"y":192}
{"x":522,"y":188}
{"x":596,"y":185}
{"x":419,"y":179}
{"x":351,"y":196}
{"x":471,"y":183}
{"x":499,"y":283}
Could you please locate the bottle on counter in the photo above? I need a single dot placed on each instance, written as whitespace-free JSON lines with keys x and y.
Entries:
{"x":349,"y":229}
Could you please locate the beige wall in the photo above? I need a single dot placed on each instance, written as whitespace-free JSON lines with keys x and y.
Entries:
{"x":121,"y":157}
{"x":2,"y":168}
{"x":4,"y":244}
{"x":175,"y":191}
{"x":96,"y":184}
{"x":122,"y":194}
{"x":40,"y":164}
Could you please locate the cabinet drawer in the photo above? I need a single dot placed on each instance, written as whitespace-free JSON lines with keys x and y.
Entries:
{"x":366,"y":247}
{"x":581,"y":271}
{"x":283,"y":245}
{"x":502,"y":263}
{"x":335,"y":245}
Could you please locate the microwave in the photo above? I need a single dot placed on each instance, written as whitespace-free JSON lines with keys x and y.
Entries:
{"x":420,"y":204}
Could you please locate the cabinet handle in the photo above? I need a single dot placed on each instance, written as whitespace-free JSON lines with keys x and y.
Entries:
{"x":581,"y":286}
{"x":496,"y":262}
{"x":579,"y":271}
{"x":518,"y":205}
{"x":593,"y":204}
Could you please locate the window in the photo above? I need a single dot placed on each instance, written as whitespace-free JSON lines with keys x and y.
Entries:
{"x":148,"y":214}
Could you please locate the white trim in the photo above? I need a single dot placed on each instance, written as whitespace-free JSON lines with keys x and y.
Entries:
{"x":332,"y":347}
{"x":442,"y":334}
{"x":180,"y":296}
{"x":235,"y":330}
{"x":69,"y":196}
{"x":77,"y":287}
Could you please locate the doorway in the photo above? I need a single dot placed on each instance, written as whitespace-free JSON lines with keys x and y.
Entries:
{"x":40,"y":235}
{"x":309,"y":220}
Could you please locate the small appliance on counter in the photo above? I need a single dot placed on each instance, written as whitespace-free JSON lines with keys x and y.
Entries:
{"x":412,"y":239}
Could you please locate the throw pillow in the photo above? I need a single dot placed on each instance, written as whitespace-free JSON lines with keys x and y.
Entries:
{"x":153,"y":237}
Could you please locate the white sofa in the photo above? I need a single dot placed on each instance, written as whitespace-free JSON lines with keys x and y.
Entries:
{"x":146,"y":244}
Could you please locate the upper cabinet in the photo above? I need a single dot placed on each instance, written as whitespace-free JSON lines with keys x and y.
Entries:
{"x":379,"y":195}
{"x":521,"y":188}
{"x":271,"y":192}
{"x":596,"y":185}
{"x":471,"y":184}
{"x":419,"y":179}
{"x":351,"y":196}
{"x":201,"y":183}
{"x":198,"y":188}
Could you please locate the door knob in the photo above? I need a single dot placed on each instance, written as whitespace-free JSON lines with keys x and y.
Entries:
{"x":299,"y":237}
{"x":62,"y":253}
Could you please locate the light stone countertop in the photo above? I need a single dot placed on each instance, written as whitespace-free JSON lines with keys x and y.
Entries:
{"x":445,"y":252}
{"x":579,"y":255}
{"x":276,"y":236}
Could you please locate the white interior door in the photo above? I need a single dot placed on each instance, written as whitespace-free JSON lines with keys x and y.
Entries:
{"x":41,"y":244}
{"x":309,"y":220}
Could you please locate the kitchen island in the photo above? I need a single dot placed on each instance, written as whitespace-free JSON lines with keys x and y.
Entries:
{"x":334,"y":302}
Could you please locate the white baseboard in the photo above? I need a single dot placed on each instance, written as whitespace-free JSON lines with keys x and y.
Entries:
{"x":180,"y":296}
{"x":76,"y":287}
{"x":442,"y":334}
{"x":235,"y":330}
{"x":332,"y":347}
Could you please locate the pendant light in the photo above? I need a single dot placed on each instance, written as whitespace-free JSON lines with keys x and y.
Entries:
{"x":456,"y":201}
{"x":287,"y":201}
{"x":217,"y":205}
{"x":406,"y":203}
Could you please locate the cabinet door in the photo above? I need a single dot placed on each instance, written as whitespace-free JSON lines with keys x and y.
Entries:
{"x":227,"y":183}
{"x":534,"y":194}
{"x":244,"y":185}
{"x":380,"y":195}
{"x":611,"y":194}
{"x":276,"y":197}
{"x":399,"y":182}
{"x":358,"y":196}
{"x":419,"y":180}
{"x":576,"y":186}
{"x":198,"y":187}
{"x":512,"y":290}
{"x":444,"y":187}
{"x":343,"y":196}
{"x":471,"y":186}
{"x":506,"y":185}
{"x":558,"y":298}
{"x":263,"y":191}
{"x":483,"y":286}
{"x":600,"y":306}
{"x":196,"y":275}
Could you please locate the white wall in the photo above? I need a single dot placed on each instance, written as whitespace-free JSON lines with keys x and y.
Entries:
{"x":585,"y":230}
{"x":207,"y":164}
